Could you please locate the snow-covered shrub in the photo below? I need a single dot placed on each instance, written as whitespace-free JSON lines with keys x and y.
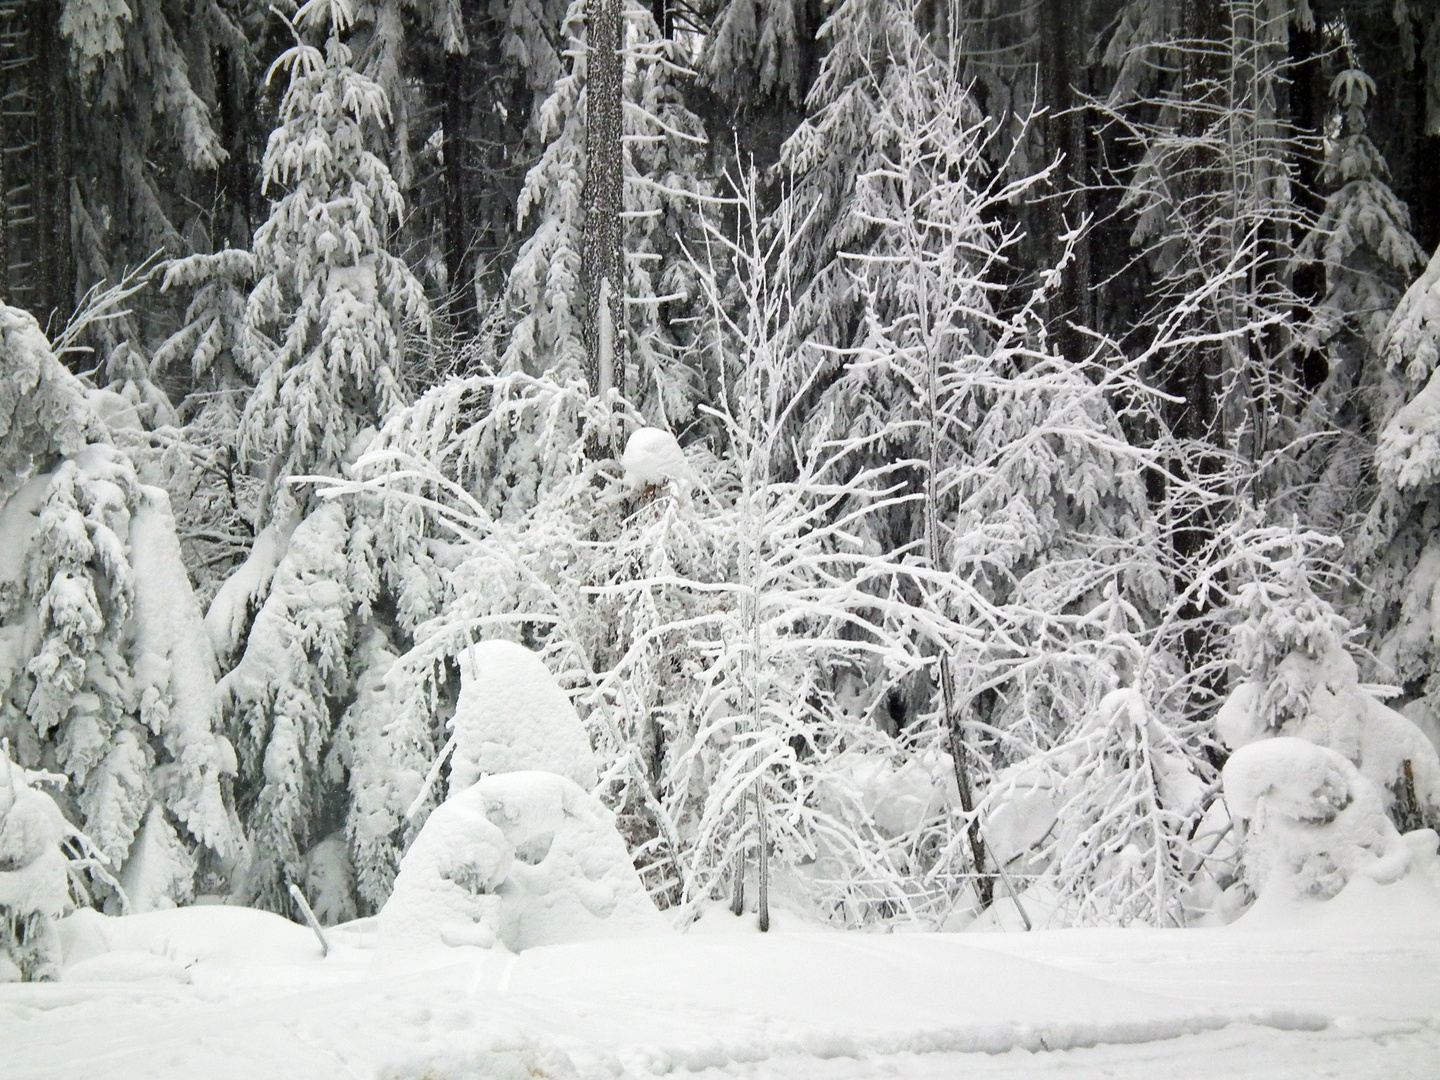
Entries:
{"x":1299,"y":679}
{"x":1311,"y":820}
{"x":522,"y":858}
{"x":1132,"y":790}
{"x":34,"y":885}
{"x":106,"y":675}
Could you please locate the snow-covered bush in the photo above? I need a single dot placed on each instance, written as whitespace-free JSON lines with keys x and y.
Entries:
{"x":519,"y":858}
{"x":1311,"y":820}
{"x":1132,"y":791}
{"x":34,"y":885}
{"x":1299,"y":679}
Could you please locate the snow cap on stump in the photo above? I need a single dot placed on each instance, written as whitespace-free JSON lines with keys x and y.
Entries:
{"x":512,"y":715}
{"x":653,"y":458}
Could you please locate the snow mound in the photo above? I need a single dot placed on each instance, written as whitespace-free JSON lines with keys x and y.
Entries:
{"x":1403,"y":911}
{"x":511,"y":716}
{"x":1312,"y":821}
{"x":525,"y":859}
{"x":446,"y":890}
{"x":653,"y":458}
{"x":210,"y":934}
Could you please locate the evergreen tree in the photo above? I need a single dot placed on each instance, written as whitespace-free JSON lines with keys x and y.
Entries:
{"x":1363,"y":243}
{"x":662,"y":143}
{"x":326,"y":334}
{"x":325,"y":328}
{"x":106,"y":673}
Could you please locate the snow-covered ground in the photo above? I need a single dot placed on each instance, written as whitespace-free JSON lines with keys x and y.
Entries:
{"x":1349,"y":988}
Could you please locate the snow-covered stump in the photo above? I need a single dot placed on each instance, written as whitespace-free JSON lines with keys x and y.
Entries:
{"x":523,"y":859}
{"x":1311,"y":821}
{"x":511,"y":716}
{"x":34,"y":888}
{"x":653,"y":459}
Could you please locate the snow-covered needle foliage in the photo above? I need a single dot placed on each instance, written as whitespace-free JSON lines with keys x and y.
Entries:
{"x":324,"y":333}
{"x":1299,"y":677}
{"x":105,"y":674}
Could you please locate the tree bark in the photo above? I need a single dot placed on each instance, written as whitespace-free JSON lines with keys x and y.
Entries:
{"x":1063,"y":27}
{"x":602,"y":255}
{"x":457,"y":262}
{"x":53,"y":171}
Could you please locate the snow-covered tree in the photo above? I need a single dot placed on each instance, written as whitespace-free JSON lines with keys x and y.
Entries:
{"x":34,"y":889}
{"x":325,"y":328}
{"x":663,"y":141}
{"x":1396,"y":553}
{"x":107,"y":674}
{"x":1298,"y":678}
{"x":1363,"y":243}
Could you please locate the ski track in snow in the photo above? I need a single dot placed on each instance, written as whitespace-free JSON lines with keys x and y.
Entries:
{"x":803,"y":1006}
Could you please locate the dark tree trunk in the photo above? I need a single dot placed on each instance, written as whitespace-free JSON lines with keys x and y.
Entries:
{"x":458,"y":270}
{"x":1307,"y":114}
{"x":36,"y":175}
{"x":1062,"y":29}
{"x":602,"y":255}
{"x":236,"y":108}
{"x":54,"y":174}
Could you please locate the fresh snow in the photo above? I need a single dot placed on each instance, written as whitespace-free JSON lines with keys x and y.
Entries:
{"x":522,"y":858}
{"x":512,"y":715}
{"x":1348,"y":987}
{"x":653,"y":458}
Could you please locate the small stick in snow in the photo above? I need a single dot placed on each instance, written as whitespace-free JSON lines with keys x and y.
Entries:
{"x":1024,"y":917}
{"x":430,"y":778}
{"x":299,"y":898}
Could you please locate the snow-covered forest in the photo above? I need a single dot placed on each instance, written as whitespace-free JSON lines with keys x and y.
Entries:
{"x":884,"y":464}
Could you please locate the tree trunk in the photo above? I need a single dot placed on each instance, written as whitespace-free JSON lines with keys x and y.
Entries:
{"x":35,"y":132}
{"x":1061,"y":65}
{"x":54,"y":175}
{"x":457,"y":262}
{"x":602,"y":255}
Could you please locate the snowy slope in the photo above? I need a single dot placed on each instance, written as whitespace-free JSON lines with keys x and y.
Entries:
{"x":226,"y":992}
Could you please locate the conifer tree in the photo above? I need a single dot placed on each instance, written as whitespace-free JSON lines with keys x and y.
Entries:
{"x":105,"y":672}
{"x":661,"y":148}
{"x":325,"y":328}
{"x":326,"y":335}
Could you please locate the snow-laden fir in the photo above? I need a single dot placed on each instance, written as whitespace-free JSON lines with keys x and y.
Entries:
{"x":828,"y":538}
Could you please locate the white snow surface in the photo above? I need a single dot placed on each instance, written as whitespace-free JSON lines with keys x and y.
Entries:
{"x":1343,"y":988}
{"x":524,"y":859}
{"x":176,"y":672}
{"x":512,"y":716}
